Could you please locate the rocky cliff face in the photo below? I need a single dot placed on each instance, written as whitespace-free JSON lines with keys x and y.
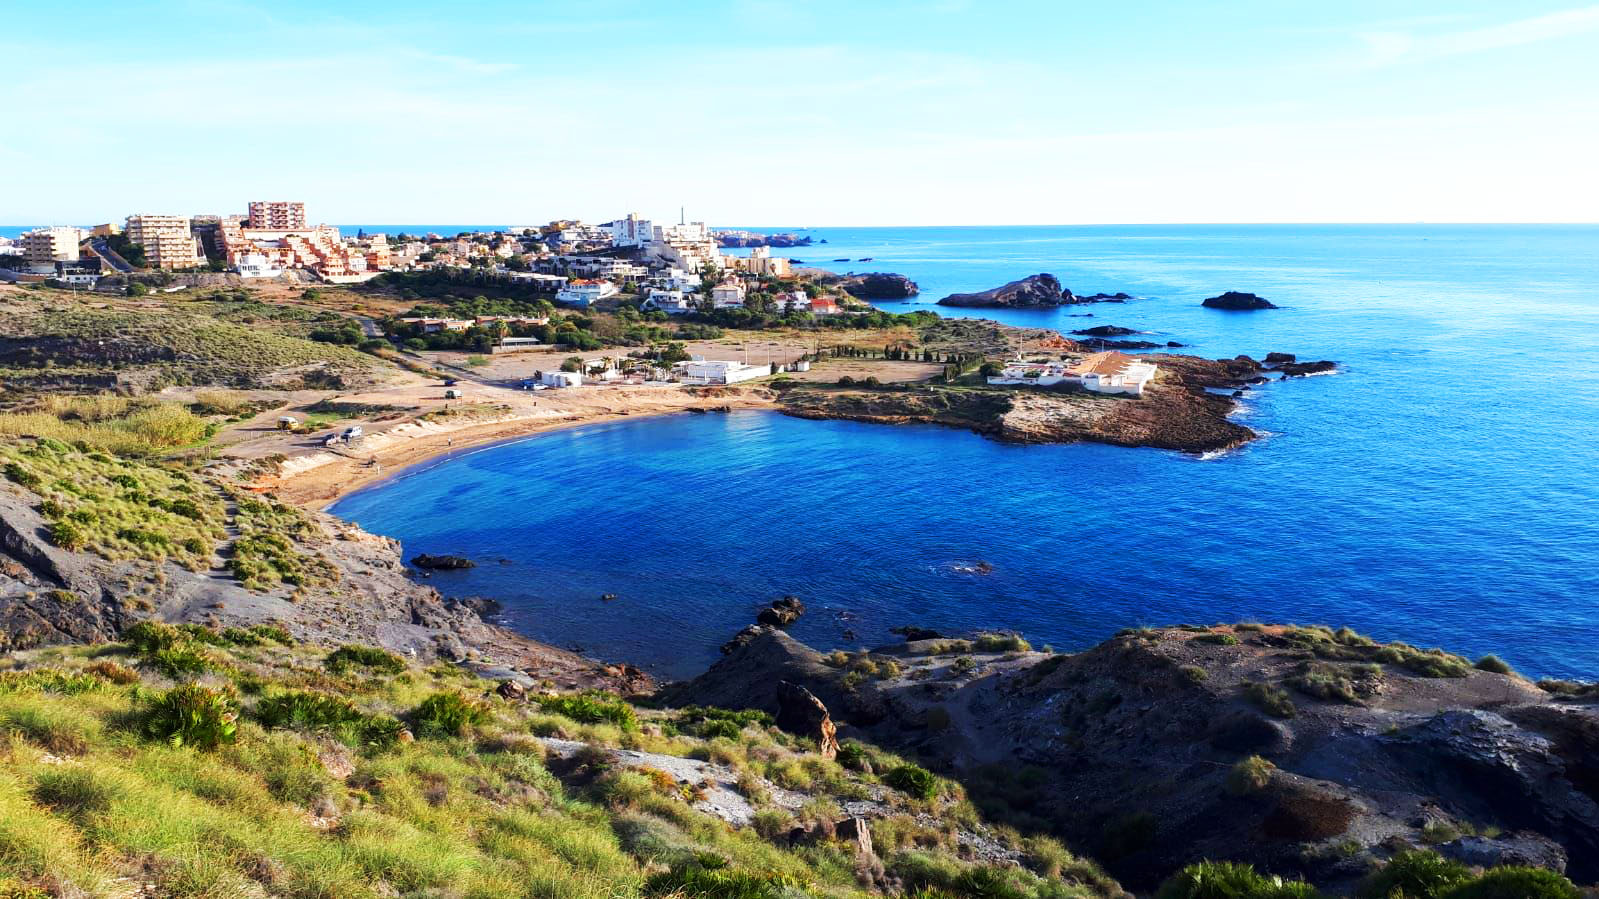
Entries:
{"x":1033,"y":291}
{"x":1305,"y":751}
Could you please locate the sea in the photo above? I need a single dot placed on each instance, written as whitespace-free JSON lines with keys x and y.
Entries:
{"x":1442,"y":488}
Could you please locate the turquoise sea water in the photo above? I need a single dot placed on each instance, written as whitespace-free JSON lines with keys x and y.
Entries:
{"x":1442,"y":489}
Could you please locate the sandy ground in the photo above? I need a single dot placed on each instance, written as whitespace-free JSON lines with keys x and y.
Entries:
{"x":314,"y":476}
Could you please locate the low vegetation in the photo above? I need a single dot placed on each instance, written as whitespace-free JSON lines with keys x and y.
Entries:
{"x":284,"y":769}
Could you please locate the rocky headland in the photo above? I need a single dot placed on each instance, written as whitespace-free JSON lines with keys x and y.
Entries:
{"x":1034,"y":291}
{"x":1304,"y":751}
{"x":1184,"y":409}
{"x":874,"y":285}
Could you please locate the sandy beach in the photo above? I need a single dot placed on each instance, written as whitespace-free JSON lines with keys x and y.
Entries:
{"x":412,"y":423}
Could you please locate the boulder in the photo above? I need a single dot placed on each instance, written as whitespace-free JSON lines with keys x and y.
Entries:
{"x":912,"y":633}
{"x":1105,"y":331}
{"x":1117,"y":297}
{"x":858,"y":832}
{"x":800,"y":712}
{"x":1280,"y":358}
{"x":783,"y":612}
{"x":1521,"y":848}
{"x":511,"y":690}
{"x":1238,"y":301}
{"x":1033,"y":291}
{"x":431,"y":562}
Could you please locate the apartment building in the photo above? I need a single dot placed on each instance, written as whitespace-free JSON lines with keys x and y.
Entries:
{"x":168,"y":240}
{"x":276,"y":216}
{"x":47,"y":246}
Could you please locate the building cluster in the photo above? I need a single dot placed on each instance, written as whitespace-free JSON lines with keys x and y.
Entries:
{"x":575,"y":263}
{"x":1107,"y":372}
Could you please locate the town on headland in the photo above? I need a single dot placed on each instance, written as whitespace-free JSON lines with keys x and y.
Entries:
{"x":208,"y":679}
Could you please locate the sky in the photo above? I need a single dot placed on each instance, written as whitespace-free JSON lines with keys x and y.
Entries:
{"x":757,"y":112}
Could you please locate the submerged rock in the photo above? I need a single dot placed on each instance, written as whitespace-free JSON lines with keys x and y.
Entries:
{"x":1105,"y":331}
{"x":441,"y":563}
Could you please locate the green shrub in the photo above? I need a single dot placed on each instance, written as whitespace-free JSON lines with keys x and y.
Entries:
{"x":708,"y":878}
{"x":1001,"y":643}
{"x":709,"y":722}
{"x":306,"y":710}
{"x":1272,"y":700}
{"x":852,"y":755}
{"x":913,"y":780}
{"x":1510,"y":882}
{"x":448,"y":714}
{"x":592,"y":707}
{"x":1250,"y":775}
{"x":1417,"y":874}
{"x":73,"y":790}
{"x":48,"y":680}
{"x":193,"y":715}
{"x":1230,"y":880}
{"x":151,"y":636}
{"x":1218,"y":639}
{"x":381,"y":661}
{"x":115,"y":672}
{"x":181,"y":661}
{"x":1494,"y":664}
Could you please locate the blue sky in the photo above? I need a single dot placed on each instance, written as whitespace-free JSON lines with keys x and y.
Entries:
{"x":817,"y":113}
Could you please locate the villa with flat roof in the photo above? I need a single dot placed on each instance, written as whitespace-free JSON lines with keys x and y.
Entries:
{"x":1107,"y":372}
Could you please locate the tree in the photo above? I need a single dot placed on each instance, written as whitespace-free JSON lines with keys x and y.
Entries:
{"x":572,"y":363}
{"x":137,"y":290}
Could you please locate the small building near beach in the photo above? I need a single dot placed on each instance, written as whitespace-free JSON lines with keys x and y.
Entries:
{"x":702,"y":372}
{"x":561,"y":379}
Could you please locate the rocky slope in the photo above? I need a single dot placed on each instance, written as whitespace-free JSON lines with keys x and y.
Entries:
{"x":1301,"y":750}
{"x":874,"y":285}
{"x":363,"y":594}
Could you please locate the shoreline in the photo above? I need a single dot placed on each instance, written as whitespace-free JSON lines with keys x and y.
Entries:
{"x":322,"y":478}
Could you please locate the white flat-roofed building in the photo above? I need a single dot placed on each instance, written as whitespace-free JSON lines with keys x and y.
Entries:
{"x":258,"y":265}
{"x":1107,"y":372}
{"x":584,"y":294}
{"x":701,"y":371}
{"x":672,"y":302}
{"x":728,"y":295}
{"x":561,"y":379}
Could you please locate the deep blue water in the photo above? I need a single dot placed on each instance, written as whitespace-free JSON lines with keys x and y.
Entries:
{"x":1443,"y":489}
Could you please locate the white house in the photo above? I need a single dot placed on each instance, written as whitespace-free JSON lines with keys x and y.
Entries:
{"x":257,"y":265}
{"x":1107,"y":372}
{"x":561,"y":379}
{"x":584,"y":294}
{"x":672,"y":302}
{"x":701,"y":371}
{"x":728,"y":295}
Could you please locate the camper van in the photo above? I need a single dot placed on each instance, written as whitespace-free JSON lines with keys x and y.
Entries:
{"x":352,"y":433}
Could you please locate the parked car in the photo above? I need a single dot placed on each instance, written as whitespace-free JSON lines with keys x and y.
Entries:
{"x":353,"y":432}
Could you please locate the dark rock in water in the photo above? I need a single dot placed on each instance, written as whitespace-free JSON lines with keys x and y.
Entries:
{"x":1238,"y":301}
{"x":912,"y":633}
{"x":607,"y":597}
{"x":1102,"y":298}
{"x":1105,"y":331}
{"x":1033,"y":291}
{"x":1238,"y":393}
{"x":1280,"y":358}
{"x":800,"y":712}
{"x":482,"y":605}
{"x":783,"y":612}
{"x":1303,"y":369}
{"x":879,"y":286}
{"x":1173,"y":343}
{"x":444,"y":563}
